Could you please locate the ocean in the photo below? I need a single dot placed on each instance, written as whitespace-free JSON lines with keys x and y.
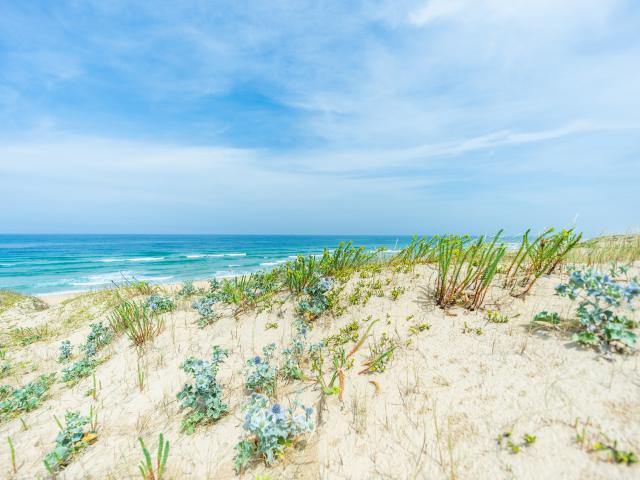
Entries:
{"x":40,"y":264}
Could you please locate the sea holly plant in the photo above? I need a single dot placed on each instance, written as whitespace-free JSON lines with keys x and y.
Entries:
{"x":204,"y":307}
{"x":601,"y":298}
{"x":26,"y":398}
{"x":293,"y":355}
{"x":315,"y":302}
{"x":260,"y":373}
{"x":77,"y":433}
{"x":270,"y":429}
{"x":66,"y":350}
{"x":203,"y":398}
{"x":98,"y":337}
{"x":160,"y":303}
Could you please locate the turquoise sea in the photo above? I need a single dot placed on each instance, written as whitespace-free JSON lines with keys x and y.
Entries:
{"x":37,"y":264}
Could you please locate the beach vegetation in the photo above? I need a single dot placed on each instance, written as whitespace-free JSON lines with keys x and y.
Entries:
{"x":344,"y":260}
{"x":419,"y":250}
{"x":602,"y":300}
{"x":315,"y":301}
{"x":598,"y":443}
{"x":27,"y":335}
{"x":466,"y":269}
{"x":150,"y":470}
{"x":269,"y":430}
{"x":494,"y":316}
{"x":380,"y":354}
{"x":80,"y":369}
{"x":187,"y":289}
{"x":26,"y":398}
{"x":138,"y":287}
{"x":137,"y":322}
{"x":76,"y":434}
{"x":302,"y":273}
{"x":203,"y":397}
{"x":261,"y":373}
{"x":66,"y":350}
{"x":160,"y":303}
{"x":205,"y":308}
{"x":536,"y":258}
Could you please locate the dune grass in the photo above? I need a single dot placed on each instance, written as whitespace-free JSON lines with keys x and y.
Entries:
{"x":603,"y":250}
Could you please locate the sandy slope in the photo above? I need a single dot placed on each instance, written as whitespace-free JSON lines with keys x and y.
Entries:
{"x":434,"y":413}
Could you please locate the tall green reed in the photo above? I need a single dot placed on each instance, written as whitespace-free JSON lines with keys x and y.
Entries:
{"x":539,"y":257}
{"x":466,"y":269}
{"x":138,"y":323}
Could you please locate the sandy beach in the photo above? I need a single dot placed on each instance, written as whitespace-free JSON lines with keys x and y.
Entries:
{"x":456,"y":383}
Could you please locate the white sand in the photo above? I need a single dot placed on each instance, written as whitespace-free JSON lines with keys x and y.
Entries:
{"x":442,"y":401}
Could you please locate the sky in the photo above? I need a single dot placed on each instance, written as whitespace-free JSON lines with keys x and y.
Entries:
{"x":319,"y":117}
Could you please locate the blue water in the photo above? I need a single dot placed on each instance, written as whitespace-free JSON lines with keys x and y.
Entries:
{"x":37,"y":264}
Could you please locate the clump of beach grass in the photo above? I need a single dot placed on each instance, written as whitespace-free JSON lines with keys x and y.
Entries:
{"x":138,"y":323}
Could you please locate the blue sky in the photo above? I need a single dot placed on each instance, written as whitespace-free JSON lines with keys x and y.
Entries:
{"x":319,"y":117}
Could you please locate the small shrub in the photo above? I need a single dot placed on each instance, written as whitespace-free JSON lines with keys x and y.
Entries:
{"x":187,"y":290}
{"x":147,"y":469}
{"x":26,"y":398}
{"x":260,"y":374}
{"x":73,"y":437}
{"x":600,"y":299}
{"x":270,"y":430}
{"x":293,"y":356}
{"x":99,"y":336}
{"x":160,"y":304}
{"x":315,"y":302}
{"x":204,"y":307}
{"x":203,"y":398}
{"x":79,"y":370}
{"x":66,"y":350}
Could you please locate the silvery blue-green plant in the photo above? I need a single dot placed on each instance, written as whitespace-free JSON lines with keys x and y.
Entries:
{"x":79,"y":369}
{"x":270,"y":429}
{"x":66,"y":350}
{"x":73,"y":437}
{"x":203,"y":398}
{"x":601,"y":296}
{"x":187,"y":289}
{"x":160,"y":303}
{"x":98,"y":337}
{"x":260,"y":374}
{"x":204,"y":307}
{"x":26,"y":398}
{"x":293,"y":354}
{"x":315,"y":302}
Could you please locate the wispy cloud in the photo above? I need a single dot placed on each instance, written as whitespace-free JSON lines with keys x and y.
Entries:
{"x":313,"y":107}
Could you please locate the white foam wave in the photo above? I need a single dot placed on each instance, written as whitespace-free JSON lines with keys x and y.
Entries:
{"x":145,"y":259}
{"x":110,"y":260}
{"x":271,"y":264}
